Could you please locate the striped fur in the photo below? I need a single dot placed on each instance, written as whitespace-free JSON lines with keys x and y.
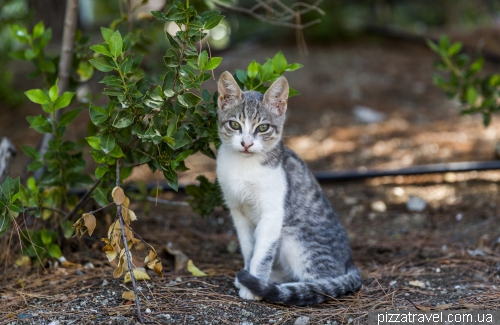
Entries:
{"x":294,"y":246}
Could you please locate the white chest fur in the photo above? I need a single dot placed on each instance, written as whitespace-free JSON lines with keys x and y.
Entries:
{"x":248,"y":186}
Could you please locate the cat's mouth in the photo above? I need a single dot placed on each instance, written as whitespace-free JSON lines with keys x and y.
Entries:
{"x":246,"y":152}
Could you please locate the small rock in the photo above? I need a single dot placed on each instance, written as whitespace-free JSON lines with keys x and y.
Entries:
{"x":302,"y":320}
{"x":178,"y":279}
{"x":438,"y":270}
{"x":378,"y":206}
{"x":232,"y":247}
{"x":56,"y":322}
{"x":78,"y":272}
{"x":416,"y":204}
{"x":368,"y":115}
{"x":88,"y":265}
{"x":393,"y":283}
{"x":476,"y":252}
{"x":349,"y":200}
{"x":398,"y":191}
{"x":24,"y":316}
{"x":148,"y":311}
{"x":220,"y":221}
{"x":459,"y":217}
{"x":417,"y":283}
{"x":104,"y":283}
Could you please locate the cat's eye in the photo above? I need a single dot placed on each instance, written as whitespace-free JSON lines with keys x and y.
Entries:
{"x":263,"y":127}
{"x":234,"y":125}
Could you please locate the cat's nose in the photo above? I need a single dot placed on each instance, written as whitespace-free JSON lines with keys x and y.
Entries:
{"x":246,"y":146}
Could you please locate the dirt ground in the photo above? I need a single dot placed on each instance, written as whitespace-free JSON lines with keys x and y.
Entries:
{"x":445,"y":257}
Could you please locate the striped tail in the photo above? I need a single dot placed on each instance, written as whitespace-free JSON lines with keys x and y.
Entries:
{"x":302,"y":293}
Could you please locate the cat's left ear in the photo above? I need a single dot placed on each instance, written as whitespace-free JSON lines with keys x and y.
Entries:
{"x":276,"y":97}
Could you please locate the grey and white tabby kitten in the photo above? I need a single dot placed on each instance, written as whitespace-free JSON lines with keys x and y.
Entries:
{"x":294,"y":246}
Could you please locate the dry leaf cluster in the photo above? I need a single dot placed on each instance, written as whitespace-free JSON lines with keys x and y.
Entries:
{"x":114,"y":248}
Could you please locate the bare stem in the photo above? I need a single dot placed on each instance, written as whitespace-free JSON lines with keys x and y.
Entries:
{"x":82,"y":201}
{"x":125,"y":246}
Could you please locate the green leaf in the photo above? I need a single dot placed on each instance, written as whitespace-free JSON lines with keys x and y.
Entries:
{"x":31,"y":152}
{"x":279,"y":63}
{"x":107,"y":142}
{"x":38,"y":30}
{"x":9,"y":188}
{"x":292,"y":92}
{"x":123,"y":119}
{"x":486,"y":119}
{"x":94,"y":142}
{"x":64,"y":100}
{"x":471,"y":95}
{"x":202,"y":59}
{"x":183,"y":155}
{"x":40,"y":123}
{"x":55,"y":251}
{"x":53,"y":92}
{"x":106,"y":33}
{"x":454,"y":48}
{"x":169,"y":140}
{"x":159,"y":14}
{"x":101,"y":196}
{"x":69,"y":116}
{"x":125,"y":172}
{"x":212,"y":22}
{"x":5,"y":221}
{"x":205,"y":94}
{"x":19,"y":33}
{"x":102,"y":64}
{"x":213,"y":63}
{"x":293,"y":67}
{"x":98,"y":115}
{"x":116,"y":152}
{"x":67,"y":227}
{"x":253,"y":70}
{"x":38,"y":96}
{"x":267,"y":70}
{"x":241,"y":75}
{"x":476,"y":65}
{"x":100,"y":171}
{"x":45,"y":236}
{"x":181,"y":139}
{"x":189,"y":99}
{"x":101,"y":49}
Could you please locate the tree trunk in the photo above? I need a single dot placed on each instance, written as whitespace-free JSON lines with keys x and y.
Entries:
{"x":7,"y":153}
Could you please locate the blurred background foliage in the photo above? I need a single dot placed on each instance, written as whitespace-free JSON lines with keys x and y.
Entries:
{"x":343,"y":20}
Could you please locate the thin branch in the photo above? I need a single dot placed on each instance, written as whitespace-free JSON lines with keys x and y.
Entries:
{"x":125,"y":246}
{"x":163,"y":201}
{"x":82,"y":201}
{"x":48,"y":208}
{"x":287,"y":13}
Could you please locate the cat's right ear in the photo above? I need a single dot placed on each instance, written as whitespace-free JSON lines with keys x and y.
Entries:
{"x":229,"y":91}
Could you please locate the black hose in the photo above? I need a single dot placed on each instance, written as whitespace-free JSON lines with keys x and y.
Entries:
{"x":359,"y":174}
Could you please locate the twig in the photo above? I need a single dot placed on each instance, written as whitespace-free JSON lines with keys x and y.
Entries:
{"x":82,"y":201}
{"x":7,"y":153}
{"x":125,"y":246}
{"x":70,"y":20}
{"x":163,"y":201}
{"x":281,"y":16}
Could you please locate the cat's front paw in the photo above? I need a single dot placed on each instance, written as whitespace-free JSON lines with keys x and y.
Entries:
{"x":247,"y":294}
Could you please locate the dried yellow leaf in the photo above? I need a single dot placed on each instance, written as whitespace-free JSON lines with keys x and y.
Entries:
{"x":194,"y":270}
{"x":90,"y":222}
{"x":23,"y":261}
{"x":139,"y":275}
{"x":68,"y":264}
{"x":126,"y":202}
{"x":128,"y":295}
{"x":157,"y":268}
{"x":151,"y":254}
{"x":132,"y":215}
{"x":118,"y":195}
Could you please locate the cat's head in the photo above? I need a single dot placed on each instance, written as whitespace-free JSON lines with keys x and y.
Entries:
{"x":249,"y":122}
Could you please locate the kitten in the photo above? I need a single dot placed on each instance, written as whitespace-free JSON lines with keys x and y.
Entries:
{"x":294,"y":246}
